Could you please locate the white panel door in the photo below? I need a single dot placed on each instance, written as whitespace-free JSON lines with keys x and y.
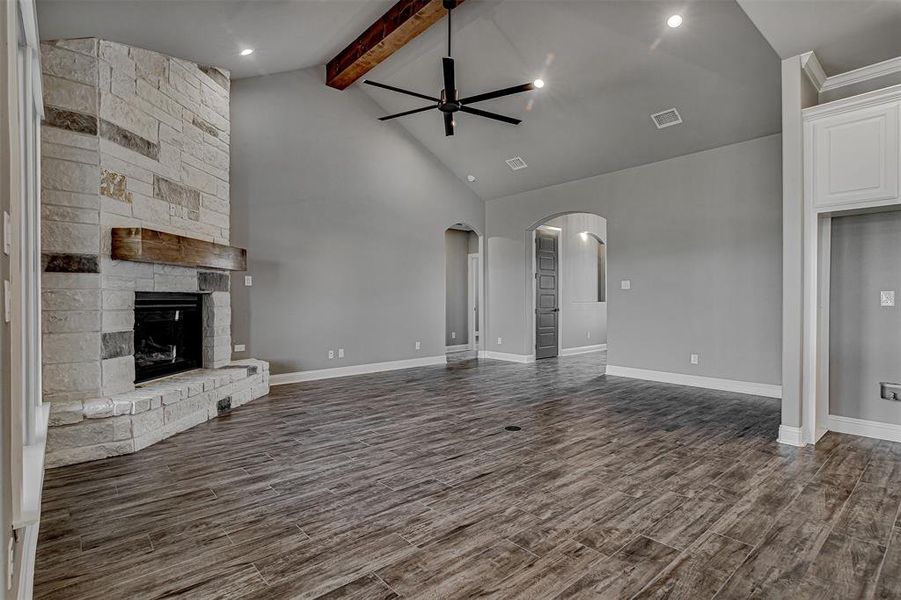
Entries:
{"x":856,"y":159}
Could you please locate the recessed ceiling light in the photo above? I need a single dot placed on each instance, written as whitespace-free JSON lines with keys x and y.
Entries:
{"x":246,"y":51}
{"x":539,"y":83}
{"x":470,"y":178}
{"x":674,"y":21}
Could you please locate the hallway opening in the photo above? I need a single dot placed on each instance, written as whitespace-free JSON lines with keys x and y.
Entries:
{"x":462,"y":290}
{"x":569,"y":282}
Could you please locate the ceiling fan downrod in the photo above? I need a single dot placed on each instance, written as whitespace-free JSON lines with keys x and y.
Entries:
{"x":449,"y":101}
{"x":450,"y":5}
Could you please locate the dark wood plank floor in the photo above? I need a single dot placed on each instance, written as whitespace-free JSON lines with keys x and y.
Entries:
{"x":407,"y":484}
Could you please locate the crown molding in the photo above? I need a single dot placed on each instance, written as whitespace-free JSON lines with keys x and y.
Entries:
{"x":811,"y":65}
{"x":823,"y":83}
{"x":880,"y":69}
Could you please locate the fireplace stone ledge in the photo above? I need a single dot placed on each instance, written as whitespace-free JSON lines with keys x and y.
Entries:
{"x":82,"y":431}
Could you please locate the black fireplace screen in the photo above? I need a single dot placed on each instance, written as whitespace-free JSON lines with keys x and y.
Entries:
{"x":168,"y":334}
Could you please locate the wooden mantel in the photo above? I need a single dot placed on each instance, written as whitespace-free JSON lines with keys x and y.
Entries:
{"x":149,"y":246}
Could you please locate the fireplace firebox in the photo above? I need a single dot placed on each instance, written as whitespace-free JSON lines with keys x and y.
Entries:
{"x":168,"y":334}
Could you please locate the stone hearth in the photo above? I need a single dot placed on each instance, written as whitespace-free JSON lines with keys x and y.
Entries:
{"x":131,"y":138}
{"x":128,"y":422}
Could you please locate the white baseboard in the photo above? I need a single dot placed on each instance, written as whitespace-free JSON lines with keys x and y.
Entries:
{"x":517,"y":358}
{"x":712,"y":383}
{"x":458,"y":348}
{"x":871,"y":429}
{"x":394,"y":365}
{"x":583,"y":350}
{"x":793,"y":436}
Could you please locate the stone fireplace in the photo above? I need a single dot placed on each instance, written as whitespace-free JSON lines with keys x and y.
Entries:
{"x":132,"y":139}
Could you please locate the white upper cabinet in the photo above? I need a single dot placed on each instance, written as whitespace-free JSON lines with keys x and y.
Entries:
{"x":852,"y":158}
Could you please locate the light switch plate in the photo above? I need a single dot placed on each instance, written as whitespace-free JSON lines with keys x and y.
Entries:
{"x":695,"y":359}
{"x":7,"y":233}
{"x":340,"y":352}
{"x":887,"y":298}
{"x":419,"y":345}
{"x":239,"y":348}
{"x":625,"y":284}
{"x":248,"y":280}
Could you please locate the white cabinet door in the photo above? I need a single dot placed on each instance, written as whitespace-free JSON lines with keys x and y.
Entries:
{"x":855,"y":159}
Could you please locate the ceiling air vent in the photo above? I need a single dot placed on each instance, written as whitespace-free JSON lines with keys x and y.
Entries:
{"x":516,"y":163}
{"x":666,"y":118}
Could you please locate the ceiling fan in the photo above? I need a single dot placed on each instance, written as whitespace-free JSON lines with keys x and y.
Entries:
{"x":449,"y":102}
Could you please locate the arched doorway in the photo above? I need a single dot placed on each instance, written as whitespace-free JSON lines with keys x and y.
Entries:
{"x":568,"y":278}
{"x":463,"y":292}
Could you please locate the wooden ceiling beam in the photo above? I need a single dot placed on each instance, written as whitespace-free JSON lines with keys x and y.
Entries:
{"x":403,"y":22}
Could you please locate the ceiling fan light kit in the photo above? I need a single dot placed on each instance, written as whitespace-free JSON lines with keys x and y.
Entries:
{"x":449,"y":101}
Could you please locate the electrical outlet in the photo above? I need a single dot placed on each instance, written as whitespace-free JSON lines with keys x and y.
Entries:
{"x":887,"y":298}
{"x":239,"y":348}
{"x":453,"y":335}
{"x":625,"y":284}
{"x":340,"y":352}
{"x":419,"y":345}
{"x":695,"y":359}
{"x":500,"y":341}
{"x":331,"y":355}
{"x":248,"y":280}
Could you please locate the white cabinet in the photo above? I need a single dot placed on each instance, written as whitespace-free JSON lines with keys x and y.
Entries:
{"x":852,"y":158}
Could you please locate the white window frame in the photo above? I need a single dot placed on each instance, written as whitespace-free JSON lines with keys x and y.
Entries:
{"x":29,"y":416}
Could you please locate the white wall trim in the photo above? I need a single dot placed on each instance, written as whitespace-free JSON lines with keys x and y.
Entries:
{"x":854,"y":103}
{"x":814,"y":70}
{"x":583,"y":350}
{"x":26,"y":566}
{"x":517,"y":358}
{"x":792,"y":436}
{"x":880,"y":69}
{"x":394,"y":365}
{"x":458,"y":348}
{"x":824,"y":83}
{"x":712,"y":383}
{"x":871,"y":429}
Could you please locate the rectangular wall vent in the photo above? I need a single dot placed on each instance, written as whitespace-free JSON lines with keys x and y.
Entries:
{"x":516,"y":163}
{"x":666,"y":118}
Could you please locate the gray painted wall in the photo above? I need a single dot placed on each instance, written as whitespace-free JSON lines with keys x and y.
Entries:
{"x":456,"y":273}
{"x":864,"y":337}
{"x":699,"y":236}
{"x":343,"y":217}
{"x":583,"y":320}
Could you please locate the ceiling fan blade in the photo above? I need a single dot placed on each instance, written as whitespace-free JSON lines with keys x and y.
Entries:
{"x":448,"y":124}
{"x":516,"y":89}
{"x":490,"y":115}
{"x":399,"y":90}
{"x":450,"y":84}
{"x":407,"y":112}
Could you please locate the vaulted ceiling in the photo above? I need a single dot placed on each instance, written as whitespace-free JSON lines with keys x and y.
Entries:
{"x":845,"y":34}
{"x":608,"y":65}
{"x":286,"y":34}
